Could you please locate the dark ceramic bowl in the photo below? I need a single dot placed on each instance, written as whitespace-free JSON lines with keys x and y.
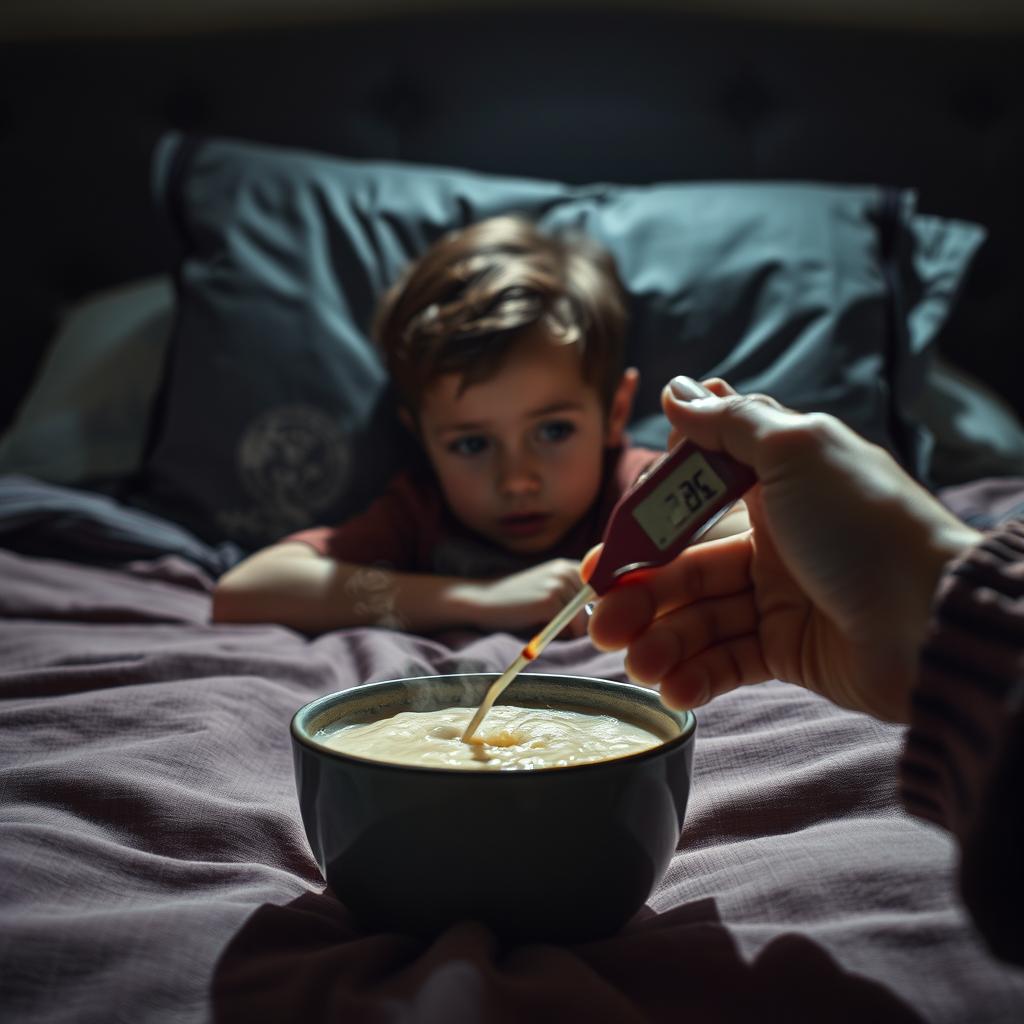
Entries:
{"x":561,"y":854}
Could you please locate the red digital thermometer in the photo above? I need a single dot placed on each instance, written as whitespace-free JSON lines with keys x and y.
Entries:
{"x":681,"y":496}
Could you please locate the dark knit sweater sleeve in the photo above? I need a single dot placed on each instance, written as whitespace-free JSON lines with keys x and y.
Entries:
{"x":963,"y":766}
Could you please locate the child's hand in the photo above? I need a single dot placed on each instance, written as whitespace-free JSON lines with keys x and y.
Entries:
{"x":527,"y":599}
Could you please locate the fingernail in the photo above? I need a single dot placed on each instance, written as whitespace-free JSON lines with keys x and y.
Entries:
{"x":686,"y":389}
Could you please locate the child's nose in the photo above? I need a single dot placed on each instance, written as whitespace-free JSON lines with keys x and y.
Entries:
{"x":518,"y":474}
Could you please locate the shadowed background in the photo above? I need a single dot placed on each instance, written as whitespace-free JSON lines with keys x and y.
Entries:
{"x":922,"y":95}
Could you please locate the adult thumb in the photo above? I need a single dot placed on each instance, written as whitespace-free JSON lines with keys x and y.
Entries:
{"x":724,"y":422}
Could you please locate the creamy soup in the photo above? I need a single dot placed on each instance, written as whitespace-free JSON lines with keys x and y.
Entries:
{"x":510,"y":739}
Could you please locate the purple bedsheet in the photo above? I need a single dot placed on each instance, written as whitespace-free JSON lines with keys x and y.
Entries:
{"x":153,"y":865}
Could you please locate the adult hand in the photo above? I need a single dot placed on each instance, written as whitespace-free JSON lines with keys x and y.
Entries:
{"x":528,"y":598}
{"x":830,"y":587}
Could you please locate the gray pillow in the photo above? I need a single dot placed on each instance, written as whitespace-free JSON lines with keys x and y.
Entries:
{"x":275,"y":412}
{"x":85,"y":418}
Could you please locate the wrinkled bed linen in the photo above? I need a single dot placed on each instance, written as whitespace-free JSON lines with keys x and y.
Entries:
{"x":153,"y":865}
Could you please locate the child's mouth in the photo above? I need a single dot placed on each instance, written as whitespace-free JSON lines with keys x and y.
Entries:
{"x":524,"y":525}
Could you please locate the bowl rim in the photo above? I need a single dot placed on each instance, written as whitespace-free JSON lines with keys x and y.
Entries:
{"x":688,"y":728}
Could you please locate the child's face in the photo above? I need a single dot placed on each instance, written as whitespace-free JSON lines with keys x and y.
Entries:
{"x":519,"y":456}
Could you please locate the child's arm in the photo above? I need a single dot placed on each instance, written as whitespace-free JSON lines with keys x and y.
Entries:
{"x":292,"y":584}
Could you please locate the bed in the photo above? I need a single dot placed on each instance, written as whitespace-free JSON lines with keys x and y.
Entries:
{"x":201,"y":224}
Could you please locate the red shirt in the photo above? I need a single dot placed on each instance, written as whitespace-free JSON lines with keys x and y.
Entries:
{"x":410,"y":529}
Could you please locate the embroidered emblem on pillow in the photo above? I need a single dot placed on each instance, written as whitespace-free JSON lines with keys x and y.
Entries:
{"x":293,"y":461}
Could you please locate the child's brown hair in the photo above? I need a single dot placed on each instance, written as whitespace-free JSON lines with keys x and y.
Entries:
{"x":475,"y":292}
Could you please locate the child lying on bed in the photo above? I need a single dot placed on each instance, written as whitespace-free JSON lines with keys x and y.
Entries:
{"x":506,"y":349}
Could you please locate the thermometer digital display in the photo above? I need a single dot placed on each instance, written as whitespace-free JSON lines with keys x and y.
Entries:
{"x":679,"y":500}
{"x":680,"y":497}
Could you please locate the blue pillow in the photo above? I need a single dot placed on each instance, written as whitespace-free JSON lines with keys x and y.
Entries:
{"x":275,"y":412}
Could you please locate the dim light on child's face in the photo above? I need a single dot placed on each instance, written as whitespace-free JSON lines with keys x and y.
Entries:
{"x":520,"y":456}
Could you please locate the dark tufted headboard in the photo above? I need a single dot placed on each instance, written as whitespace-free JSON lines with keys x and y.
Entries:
{"x":605,"y":96}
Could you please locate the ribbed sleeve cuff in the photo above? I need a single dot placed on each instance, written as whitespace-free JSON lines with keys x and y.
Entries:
{"x":970,"y":684}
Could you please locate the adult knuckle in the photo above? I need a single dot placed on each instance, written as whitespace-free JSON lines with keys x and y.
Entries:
{"x":821,"y":425}
{"x":804,"y":436}
{"x":751,"y":400}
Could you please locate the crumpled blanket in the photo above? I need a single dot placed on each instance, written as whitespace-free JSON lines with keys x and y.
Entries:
{"x":153,"y":865}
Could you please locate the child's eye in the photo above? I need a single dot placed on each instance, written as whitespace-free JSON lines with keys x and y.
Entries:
{"x":556,"y":430}
{"x":473,"y":444}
